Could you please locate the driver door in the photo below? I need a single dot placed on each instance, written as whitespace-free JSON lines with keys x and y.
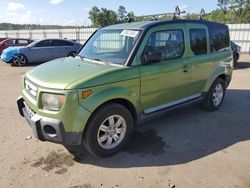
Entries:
{"x":164,"y":83}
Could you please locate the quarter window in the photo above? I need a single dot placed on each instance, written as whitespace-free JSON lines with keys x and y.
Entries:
{"x":220,"y":38}
{"x":169,"y":43}
{"x":198,"y":41}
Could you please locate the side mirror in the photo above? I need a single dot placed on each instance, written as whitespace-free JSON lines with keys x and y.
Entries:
{"x":151,"y":57}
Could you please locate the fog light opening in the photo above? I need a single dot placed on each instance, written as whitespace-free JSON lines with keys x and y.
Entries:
{"x":49,"y":130}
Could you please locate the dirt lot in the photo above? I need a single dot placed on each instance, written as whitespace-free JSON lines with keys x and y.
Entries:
{"x":188,"y":148}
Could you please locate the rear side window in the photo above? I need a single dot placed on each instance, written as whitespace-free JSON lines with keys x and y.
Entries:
{"x":220,"y":38}
{"x":61,"y":43}
{"x":198,"y":41}
{"x":44,"y":43}
{"x":169,"y":43}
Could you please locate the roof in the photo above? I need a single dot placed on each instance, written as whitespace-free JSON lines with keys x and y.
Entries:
{"x":131,"y":25}
{"x":147,"y":24}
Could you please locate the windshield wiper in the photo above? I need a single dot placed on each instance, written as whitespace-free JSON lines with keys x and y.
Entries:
{"x":96,"y":59}
{"x":78,"y":55}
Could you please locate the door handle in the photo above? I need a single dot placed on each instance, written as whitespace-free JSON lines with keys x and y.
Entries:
{"x":187,"y":68}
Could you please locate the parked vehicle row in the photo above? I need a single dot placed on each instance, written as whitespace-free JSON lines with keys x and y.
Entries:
{"x":39,"y":51}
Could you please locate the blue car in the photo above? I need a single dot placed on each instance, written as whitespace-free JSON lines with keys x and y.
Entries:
{"x":40,"y":51}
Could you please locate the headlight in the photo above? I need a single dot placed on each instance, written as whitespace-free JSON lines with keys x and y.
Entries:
{"x":53,"y":102}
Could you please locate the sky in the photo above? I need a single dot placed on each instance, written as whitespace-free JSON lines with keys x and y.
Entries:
{"x":75,"y":12}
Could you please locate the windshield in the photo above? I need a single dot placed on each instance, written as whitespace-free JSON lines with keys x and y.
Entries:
{"x":110,"y":46}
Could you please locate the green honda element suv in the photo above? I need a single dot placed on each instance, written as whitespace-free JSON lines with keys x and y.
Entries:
{"x":125,"y":73}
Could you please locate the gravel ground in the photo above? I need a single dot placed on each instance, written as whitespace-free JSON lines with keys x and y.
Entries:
{"x":188,"y":148}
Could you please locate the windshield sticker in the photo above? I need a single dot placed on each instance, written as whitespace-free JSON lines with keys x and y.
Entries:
{"x":129,"y":33}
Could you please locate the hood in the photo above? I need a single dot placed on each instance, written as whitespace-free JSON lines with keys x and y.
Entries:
{"x":9,"y":53}
{"x":61,"y":73}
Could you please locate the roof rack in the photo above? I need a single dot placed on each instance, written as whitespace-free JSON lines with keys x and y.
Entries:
{"x":202,"y":14}
{"x":175,"y":15}
{"x":155,"y":17}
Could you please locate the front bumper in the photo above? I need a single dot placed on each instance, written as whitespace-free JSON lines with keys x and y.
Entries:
{"x":48,"y":129}
{"x":5,"y":58}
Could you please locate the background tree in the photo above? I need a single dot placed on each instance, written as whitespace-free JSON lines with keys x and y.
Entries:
{"x":103,"y":17}
{"x":238,"y":11}
{"x":223,"y":4}
{"x":121,"y":12}
{"x":94,"y":15}
{"x":107,"y":17}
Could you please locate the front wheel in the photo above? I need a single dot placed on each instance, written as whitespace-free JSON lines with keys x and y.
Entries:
{"x":108,"y":130}
{"x":19,"y":60}
{"x":215,"y":95}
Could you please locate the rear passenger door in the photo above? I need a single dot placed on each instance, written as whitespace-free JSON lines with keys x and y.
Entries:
{"x":200,"y":64}
{"x":41,"y":52}
{"x":61,"y":48}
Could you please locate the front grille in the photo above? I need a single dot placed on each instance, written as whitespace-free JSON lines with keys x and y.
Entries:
{"x":30,"y":88}
{"x":29,"y":110}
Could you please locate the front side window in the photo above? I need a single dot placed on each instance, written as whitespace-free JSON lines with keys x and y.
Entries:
{"x":198,"y":41}
{"x":44,"y":43}
{"x":11,"y":42}
{"x":170,"y":44}
{"x":111,"y":46}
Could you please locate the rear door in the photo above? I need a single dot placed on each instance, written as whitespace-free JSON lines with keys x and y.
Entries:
{"x":165,"y":84}
{"x":200,"y":64}
{"x":61,"y":48}
{"x":41,"y":52}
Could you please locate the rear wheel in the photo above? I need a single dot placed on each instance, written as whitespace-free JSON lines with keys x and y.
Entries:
{"x":215,"y":95}
{"x":108,"y":130}
{"x":19,"y":60}
{"x":235,"y":59}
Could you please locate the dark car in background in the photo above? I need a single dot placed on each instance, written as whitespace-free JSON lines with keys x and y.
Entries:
{"x":14,"y":42}
{"x":40,"y":51}
{"x":236,"y":52}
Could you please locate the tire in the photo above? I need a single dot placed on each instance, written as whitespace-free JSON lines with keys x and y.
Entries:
{"x":102,"y":137}
{"x":19,"y":61}
{"x":235,"y":59}
{"x":215,"y":95}
{"x":72,"y":54}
